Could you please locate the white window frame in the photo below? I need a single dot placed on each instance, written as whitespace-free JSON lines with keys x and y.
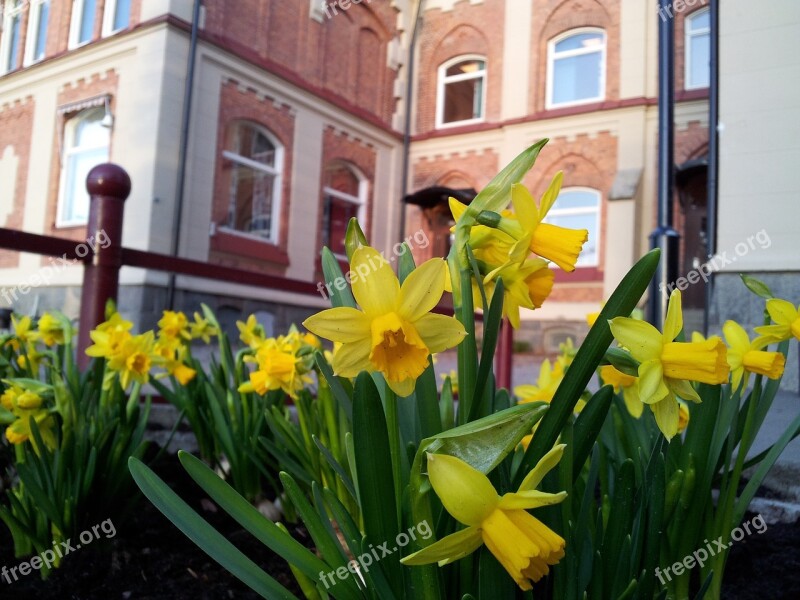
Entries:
{"x":688,"y":35}
{"x":565,"y":212}
{"x":69,"y":135}
{"x":11,"y":11}
{"x":277,"y":173}
{"x":75,"y":24}
{"x":109,"y":14}
{"x":442,"y":80}
{"x":552,"y":57}
{"x":34,"y":19}
{"x":360,"y":200}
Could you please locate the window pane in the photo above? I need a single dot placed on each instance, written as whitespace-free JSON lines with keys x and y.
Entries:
{"x":567,"y":200}
{"x":588,"y":255}
{"x":87,"y":21}
{"x":700,"y":21}
{"x":76,"y":198}
{"x":250,"y":207}
{"x":255,"y":145}
{"x":14,"y":28}
{"x":577,"y":78}
{"x":580,"y":41}
{"x":463,"y":100}
{"x":468,"y":66}
{"x":699,"y":69}
{"x":41,"y":31}
{"x":90,"y":133}
{"x":122,"y":14}
{"x":338,"y":213}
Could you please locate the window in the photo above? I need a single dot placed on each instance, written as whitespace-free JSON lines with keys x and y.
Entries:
{"x":117,"y":16}
{"x":579,"y":208}
{"x":462,"y":91}
{"x":254,"y":159}
{"x":12,"y":25}
{"x":37,"y":31}
{"x":344,"y":194}
{"x":86,"y":145}
{"x":82,"y":27}
{"x":698,"y":50}
{"x":576,"y":68}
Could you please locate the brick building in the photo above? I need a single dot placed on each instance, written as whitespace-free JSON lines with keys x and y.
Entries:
{"x":298,"y":121}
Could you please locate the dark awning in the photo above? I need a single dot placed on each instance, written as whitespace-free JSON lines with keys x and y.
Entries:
{"x":436,"y":195}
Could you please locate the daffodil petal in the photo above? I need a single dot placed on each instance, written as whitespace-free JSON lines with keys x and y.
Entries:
{"x":652,"y":388}
{"x":551,"y":194}
{"x":684,"y":389}
{"x":641,"y":339}
{"x":674,"y":320}
{"x":422,"y":289}
{"x":667,"y":415}
{"x":542,"y":468}
{"x":341,"y":324}
{"x":530,"y":499}
{"x":375,"y":286}
{"x":782,"y":312}
{"x":402,"y":388}
{"x":456,"y":208}
{"x":524,"y":207}
{"x":440,"y":332}
{"x":465,"y":492}
{"x":352,"y":358}
{"x":736,"y":336}
{"x":635,"y":406}
{"x":448,"y":549}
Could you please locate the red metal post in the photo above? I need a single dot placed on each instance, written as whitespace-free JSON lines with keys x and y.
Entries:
{"x":504,"y":361}
{"x":108,"y":186}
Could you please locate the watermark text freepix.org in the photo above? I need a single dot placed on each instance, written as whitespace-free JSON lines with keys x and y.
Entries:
{"x":364,"y":561}
{"x":60,"y":549}
{"x":760,"y":241}
{"x":701,"y":555}
{"x":44,"y":275}
{"x":364,"y":269}
{"x":678,"y":6}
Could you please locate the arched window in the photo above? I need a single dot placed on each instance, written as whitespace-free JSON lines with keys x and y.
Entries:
{"x":86,"y":142}
{"x":344,"y":195}
{"x":461,"y":94}
{"x":253,"y":160}
{"x":698,"y":50}
{"x":576,"y":68}
{"x":579,"y":208}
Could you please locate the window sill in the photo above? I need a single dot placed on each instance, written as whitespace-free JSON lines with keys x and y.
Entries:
{"x":586,"y":274}
{"x":243,"y":244}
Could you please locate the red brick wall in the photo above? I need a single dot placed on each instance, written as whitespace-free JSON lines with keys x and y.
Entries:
{"x":345,"y":54}
{"x":238,"y":103}
{"x":96,"y":85}
{"x":16,"y":125}
{"x":467,"y":29}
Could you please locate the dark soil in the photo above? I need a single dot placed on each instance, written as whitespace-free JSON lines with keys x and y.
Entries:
{"x":149,"y":558}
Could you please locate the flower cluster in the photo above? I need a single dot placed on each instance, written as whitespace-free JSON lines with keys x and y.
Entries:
{"x":26,"y":406}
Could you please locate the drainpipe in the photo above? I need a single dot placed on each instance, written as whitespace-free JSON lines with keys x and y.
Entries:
{"x":664,"y":235}
{"x":182,"y":151}
{"x":713,"y":154}
{"x":407,"y":121}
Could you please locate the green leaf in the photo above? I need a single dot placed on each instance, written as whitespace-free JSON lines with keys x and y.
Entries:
{"x":333,"y":274}
{"x":405,"y":263}
{"x":336,"y":386}
{"x":758,"y":287}
{"x":205,"y":536}
{"x":588,"y":425}
{"x":354,"y":237}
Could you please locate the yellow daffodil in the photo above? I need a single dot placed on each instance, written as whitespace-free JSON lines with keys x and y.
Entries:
{"x":109,"y":337}
{"x":488,"y":244}
{"x":30,"y":358}
{"x":251,"y":332}
{"x":745,"y":357}
{"x":786,"y":318}
{"x":25,"y":405}
{"x":200,"y":328}
{"x":170,"y":354}
{"x":24,"y":333}
{"x":174,"y":324}
{"x":394,"y":332}
{"x":567,"y":352}
{"x":627,"y":384}
{"x":549,"y":379}
{"x":592,"y":317}
{"x":277,"y":369}
{"x":525,"y":546}
{"x":51,"y":330}
{"x":133,"y":359}
{"x":525,"y":285}
{"x":666,"y":366}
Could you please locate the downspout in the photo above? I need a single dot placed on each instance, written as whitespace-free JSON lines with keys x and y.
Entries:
{"x":713,"y":155}
{"x":182,"y":151}
{"x":407,"y":120}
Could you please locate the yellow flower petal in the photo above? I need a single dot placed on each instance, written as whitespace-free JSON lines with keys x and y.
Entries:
{"x":782,"y":312}
{"x":542,"y":468}
{"x":696,"y":361}
{"x":559,"y":244}
{"x":736,"y":336}
{"x":375,"y":286}
{"x":667,"y":416}
{"x":397,"y":351}
{"x":769,"y":364}
{"x":440,"y":332}
{"x":524,"y":206}
{"x":674,"y":321}
{"x":465,"y":492}
{"x":642,"y":339}
{"x":551,"y":194}
{"x":652,"y":388}
{"x":341,"y":324}
{"x":529,"y":499}
{"x":422,"y":289}
{"x":352,"y":358}
{"x":684,"y":390}
{"x":448,"y":549}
